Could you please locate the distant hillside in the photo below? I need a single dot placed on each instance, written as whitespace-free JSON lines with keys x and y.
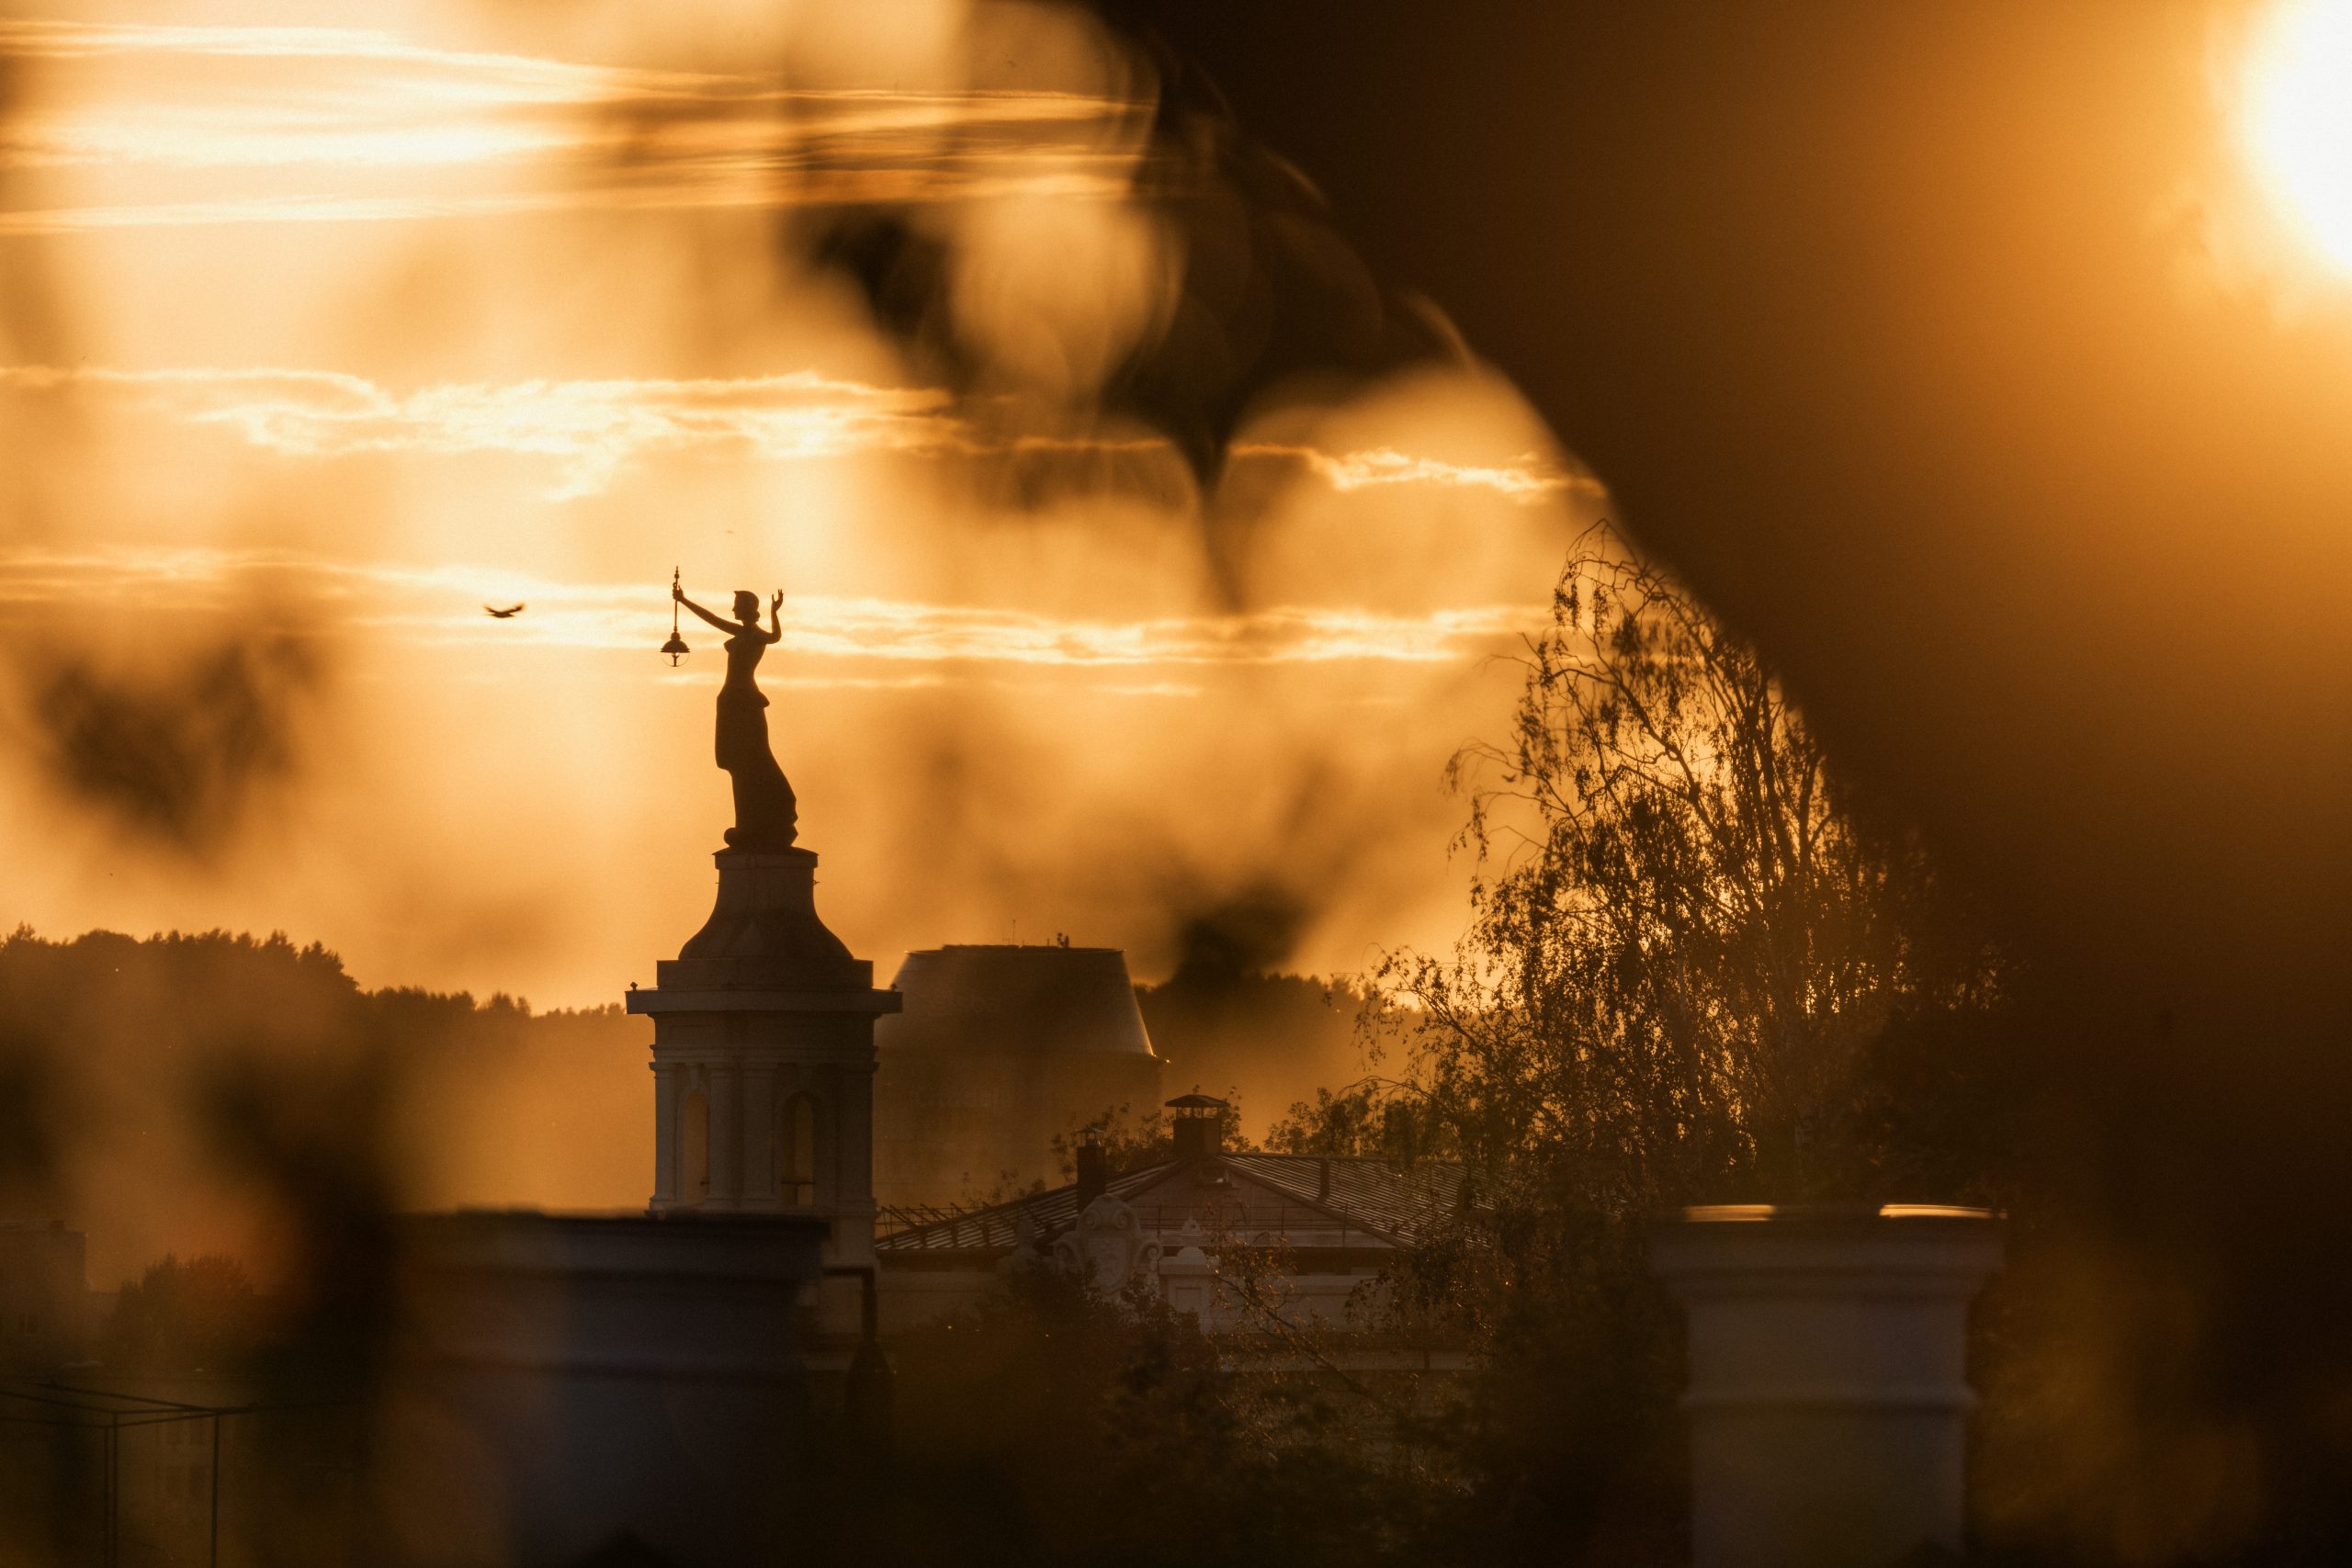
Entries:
{"x":219,"y":1092}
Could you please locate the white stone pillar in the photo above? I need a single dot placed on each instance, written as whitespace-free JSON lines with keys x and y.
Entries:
{"x":1188,"y":1283}
{"x":853,"y":1204}
{"x":665,"y":1135}
{"x":726,"y":1135}
{"x":1828,"y":1395}
{"x":854,"y":1135}
{"x":760,"y":1152}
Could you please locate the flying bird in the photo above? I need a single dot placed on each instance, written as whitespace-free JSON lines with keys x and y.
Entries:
{"x":508,"y":613}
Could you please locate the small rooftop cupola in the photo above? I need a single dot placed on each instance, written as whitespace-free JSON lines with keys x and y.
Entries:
{"x":1199,"y":1126}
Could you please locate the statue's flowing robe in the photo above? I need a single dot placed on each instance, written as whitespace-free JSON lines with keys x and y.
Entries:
{"x":767,"y":814}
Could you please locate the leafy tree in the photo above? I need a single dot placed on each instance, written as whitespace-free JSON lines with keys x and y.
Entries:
{"x":1373,"y":1117}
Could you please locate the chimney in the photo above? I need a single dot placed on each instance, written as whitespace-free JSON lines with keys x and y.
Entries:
{"x":1093,"y":1168}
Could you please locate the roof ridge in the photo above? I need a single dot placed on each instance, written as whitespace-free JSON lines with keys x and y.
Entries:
{"x":1351,"y":1159}
{"x":1008,"y":1210}
{"x":1374,"y":1195}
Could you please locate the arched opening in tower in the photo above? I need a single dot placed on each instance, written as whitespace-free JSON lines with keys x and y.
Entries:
{"x":796,"y":1145}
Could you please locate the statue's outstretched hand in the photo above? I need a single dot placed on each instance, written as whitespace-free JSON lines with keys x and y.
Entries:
{"x":775,"y":602}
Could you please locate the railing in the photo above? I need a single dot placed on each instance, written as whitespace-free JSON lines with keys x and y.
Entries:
{"x":41,"y":1402}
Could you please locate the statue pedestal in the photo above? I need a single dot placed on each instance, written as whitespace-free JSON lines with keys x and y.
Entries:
{"x":763,"y":1059}
{"x":1829,"y":1396}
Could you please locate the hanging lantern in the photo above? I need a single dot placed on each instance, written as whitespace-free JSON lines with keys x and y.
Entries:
{"x":676,"y":645}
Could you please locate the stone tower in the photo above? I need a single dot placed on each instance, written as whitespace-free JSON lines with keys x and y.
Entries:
{"x":763,"y":1059}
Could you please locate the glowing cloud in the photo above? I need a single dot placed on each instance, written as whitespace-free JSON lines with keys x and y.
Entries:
{"x":440,"y":604}
{"x":1526,"y":479}
{"x":229,"y":118}
{"x":591,"y":429}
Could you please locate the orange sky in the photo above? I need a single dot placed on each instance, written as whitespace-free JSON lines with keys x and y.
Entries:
{"x":332,"y":326}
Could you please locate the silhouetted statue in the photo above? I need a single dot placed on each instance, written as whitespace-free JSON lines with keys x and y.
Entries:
{"x":765,"y":813}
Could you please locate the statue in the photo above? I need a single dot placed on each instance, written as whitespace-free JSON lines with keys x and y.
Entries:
{"x":765,"y":813}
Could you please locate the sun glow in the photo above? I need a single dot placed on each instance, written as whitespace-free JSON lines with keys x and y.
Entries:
{"x":2298,"y":118}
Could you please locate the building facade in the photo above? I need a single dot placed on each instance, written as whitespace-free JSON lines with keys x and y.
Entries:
{"x":1247,"y":1243}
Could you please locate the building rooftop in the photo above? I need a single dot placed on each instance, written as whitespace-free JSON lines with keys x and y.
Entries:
{"x":1301,"y":1199}
{"x":1044,"y":999}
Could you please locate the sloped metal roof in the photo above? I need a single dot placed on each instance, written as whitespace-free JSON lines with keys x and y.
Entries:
{"x":999,"y":1225}
{"x":1374,"y":1193}
{"x":1031,"y":1000}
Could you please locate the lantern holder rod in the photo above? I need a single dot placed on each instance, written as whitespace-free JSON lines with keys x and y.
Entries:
{"x":676,"y":645}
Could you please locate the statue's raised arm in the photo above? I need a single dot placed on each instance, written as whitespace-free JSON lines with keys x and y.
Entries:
{"x":719,"y":621}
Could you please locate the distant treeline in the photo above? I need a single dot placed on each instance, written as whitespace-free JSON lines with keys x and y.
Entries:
{"x":157,"y":1092}
{"x":119,"y":1054}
